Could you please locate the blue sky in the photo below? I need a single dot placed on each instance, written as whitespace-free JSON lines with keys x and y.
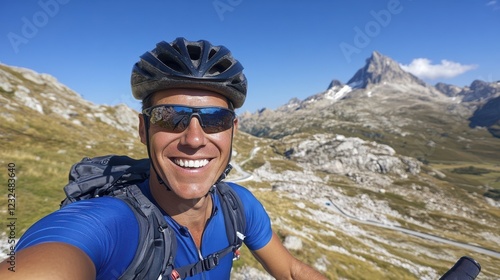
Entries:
{"x":288,"y":48}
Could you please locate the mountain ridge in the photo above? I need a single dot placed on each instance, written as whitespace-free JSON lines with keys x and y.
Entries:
{"x":383,"y":78}
{"x":49,"y":97}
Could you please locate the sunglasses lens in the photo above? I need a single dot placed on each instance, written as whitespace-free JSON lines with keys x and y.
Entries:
{"x":167,"y":118}
{"x":216,"y":119}
{"x":176,"y":118}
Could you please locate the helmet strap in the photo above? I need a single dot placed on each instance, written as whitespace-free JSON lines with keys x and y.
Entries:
{"x":158,"y":177}
{"x":229,"y":166}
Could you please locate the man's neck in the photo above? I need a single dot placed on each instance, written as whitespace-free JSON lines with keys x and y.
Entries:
{"x":191,"y":213}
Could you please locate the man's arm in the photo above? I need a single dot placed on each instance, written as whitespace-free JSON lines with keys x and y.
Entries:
{"x":51,"y":261}
{"x":281,"y":264}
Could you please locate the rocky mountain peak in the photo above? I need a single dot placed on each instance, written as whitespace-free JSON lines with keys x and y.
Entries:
{"x":335,"y":83}
{"x":382,"y":69}
{"x":449,"y":90}
{"x":481,"y":90}
{"x":487,"y":96}
{"x":479,"y":85}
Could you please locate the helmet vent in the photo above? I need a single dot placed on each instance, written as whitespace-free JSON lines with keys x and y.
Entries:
{"x":169,"y":62}
{"x":194,"y":52}
{"x":212,"y":53}
{"x":220,"y":67}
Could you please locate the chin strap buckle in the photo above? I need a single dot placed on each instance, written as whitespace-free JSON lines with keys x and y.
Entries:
{"x":225,"y":173}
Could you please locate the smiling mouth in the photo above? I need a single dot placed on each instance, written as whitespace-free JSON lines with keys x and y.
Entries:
{"x":189,"y":163}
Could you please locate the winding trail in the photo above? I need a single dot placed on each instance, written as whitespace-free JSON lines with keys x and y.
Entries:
{"x":246,"y":176}
{"x":471,"y":247}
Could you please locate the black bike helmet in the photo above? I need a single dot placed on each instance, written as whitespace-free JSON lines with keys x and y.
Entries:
{"x":187,"y":64}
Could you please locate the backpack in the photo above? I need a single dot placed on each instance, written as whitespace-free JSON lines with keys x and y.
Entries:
{"x":118,"y":176}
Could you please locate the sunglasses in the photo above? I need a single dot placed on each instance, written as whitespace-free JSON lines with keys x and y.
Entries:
{"x":176,"y":118}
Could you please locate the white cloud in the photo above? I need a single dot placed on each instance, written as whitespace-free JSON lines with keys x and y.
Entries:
{"x":493,"y":4}
{"x":423,"y":68}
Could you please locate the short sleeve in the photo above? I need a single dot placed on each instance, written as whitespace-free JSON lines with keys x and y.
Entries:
{"x":258,"y":224}
{"x":104,"y":228}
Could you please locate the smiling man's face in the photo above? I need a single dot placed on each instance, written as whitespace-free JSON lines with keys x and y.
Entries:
{"x":189,"y":161}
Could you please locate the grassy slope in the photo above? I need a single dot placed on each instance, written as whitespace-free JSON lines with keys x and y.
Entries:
{"x":43,"y":149}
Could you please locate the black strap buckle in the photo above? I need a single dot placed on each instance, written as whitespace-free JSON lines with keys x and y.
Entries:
{"x":210,"y":262}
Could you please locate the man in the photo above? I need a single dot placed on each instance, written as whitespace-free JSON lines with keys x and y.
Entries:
{"x":189,"y":92}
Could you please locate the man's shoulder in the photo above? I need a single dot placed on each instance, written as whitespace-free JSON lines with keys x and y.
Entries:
{"x":85,"y":224}
{"x":258,"y":230}
{"x":103,"y":202}
{"x":104,"y":228}
{"x":105,"y":207}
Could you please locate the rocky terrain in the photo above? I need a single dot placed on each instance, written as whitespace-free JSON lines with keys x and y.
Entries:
{"x":45,"y":95}
{"x":349,"y":176}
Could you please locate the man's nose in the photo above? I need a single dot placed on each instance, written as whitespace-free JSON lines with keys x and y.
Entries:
{"x":194,"y":135}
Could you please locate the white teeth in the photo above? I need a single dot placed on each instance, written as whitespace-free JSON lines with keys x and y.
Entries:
{"x":191,"y":163}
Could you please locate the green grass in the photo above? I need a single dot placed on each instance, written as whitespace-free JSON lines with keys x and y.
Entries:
{"x":43,"y":148}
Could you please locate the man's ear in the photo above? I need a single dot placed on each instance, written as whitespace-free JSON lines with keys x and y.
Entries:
{"x":142,"y":129}
{"x":235,"y":126}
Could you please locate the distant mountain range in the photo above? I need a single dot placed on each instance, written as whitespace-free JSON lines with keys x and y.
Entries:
{"x":382,"y":80}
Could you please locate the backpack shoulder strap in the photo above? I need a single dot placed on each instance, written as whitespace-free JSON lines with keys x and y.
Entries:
{"x":157,"y":244}
{"x":235,"y":223}
{"x":234,"y":214}
{"x":118,"y":176}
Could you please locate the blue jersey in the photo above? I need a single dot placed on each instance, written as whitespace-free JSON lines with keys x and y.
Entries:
{"x":106,"y":229}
